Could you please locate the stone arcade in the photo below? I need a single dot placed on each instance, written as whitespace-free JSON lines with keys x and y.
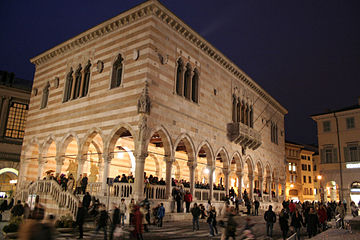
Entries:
{"x":142,"y":92}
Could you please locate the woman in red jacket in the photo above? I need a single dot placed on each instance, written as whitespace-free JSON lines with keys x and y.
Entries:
{"x":188,"y":199}
{"x":322,"y":217}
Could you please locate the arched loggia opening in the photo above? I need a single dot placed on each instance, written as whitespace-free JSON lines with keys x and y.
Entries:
{"x":248,"y":178}
{"x":203,"y":171}
{"x":32,"y":163}
{"x":258,"y":180}
{"x":184,"y":155}
{"x":91,"y":157}
{"x":69,"y":156}
{"x":49,"y":159}
{"x":236,"y":170}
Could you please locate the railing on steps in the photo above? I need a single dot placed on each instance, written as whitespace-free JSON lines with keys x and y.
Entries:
{"x":64,"y":198}
{"x":155,"y":192}
{"x":122,"y":190}
{"x":94,"y":188}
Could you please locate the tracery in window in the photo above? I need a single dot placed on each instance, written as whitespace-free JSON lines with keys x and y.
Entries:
{"x":85,"y":84}
{"x":195,"y":86}
{"x":45,"y":96}
{"x":187,"y":81}
{"x":116,"y":77}
{"x":68,"y":86}
{"x":78,"y":76}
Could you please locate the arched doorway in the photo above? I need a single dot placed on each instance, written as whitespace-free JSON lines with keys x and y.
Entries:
{"x":92,"y":150}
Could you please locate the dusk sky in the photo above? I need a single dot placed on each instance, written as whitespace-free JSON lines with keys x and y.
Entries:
{"x":305,"y":53}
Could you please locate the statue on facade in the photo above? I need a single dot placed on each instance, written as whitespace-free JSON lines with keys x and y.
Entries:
{"x":72,"y":168}
{"x":144,"y":101}
{"x":94,"y":171}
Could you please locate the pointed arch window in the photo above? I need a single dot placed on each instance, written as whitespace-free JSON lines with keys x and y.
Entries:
{"x":68,"y":86}
{"x":187,"y":81}
{"x":251,"y":117}
{"x":234,"y":107}
{"x":238,"y":110}
{"x":246,"y":115}
{"x":179,"y":77}
{"x":45,"y":96}
{"x":195,"y":86}
{"x":242,"y":112}
{"x":85,"y":85}
{"x":77,"y":84}
{"x":117,"y":71}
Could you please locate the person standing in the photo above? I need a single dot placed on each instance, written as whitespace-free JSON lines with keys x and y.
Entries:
{"x":115,"y":220}
{"x":131,"y":210}
{"x":230,"y":230}
{"x":213,"y":211}
{"x":70,"y":183}
{"x":340,"y":209}
{"x":188,"y":199}
{"x":322,"y":217}
{"x":137,"y":223}
{"x":296,"y":222}
{"x":160,"y":214}
{"x":270,"y":219}
{"x":210,"y":220}
{"x":257,"y":205}
{"x":284,"y":224}
{"x":80,"y":219}
{"x":122,"y":209}
{"x":195,"y":211}
{"x":84,"y":183}
{"x":178,"y":199}
{"x":78,"y":185}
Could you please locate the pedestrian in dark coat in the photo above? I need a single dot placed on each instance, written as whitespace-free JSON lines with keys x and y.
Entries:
{"x":17,"y":210}
{"x":296,"y":222}
{"x":322,"y":217}
{"x":284,"y":224}
{"x":80,"y":219}
{"x":257,"y":205}
{"x":270,"y":219}
{"x":137,"y":223}
{"x":230,"y":230}
{"x":86,"y":200}
{"x":160,"y":214}
{"x":102,"y":221}
{"x":195,"y":211}
{"x":210,"y":220}
{"x":312,"y":223}
{"x":84,"y":182}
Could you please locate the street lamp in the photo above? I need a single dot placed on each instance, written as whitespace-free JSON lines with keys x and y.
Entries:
{"x":319,"y":177}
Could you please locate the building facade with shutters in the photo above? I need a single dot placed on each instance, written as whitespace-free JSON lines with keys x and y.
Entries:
{"x":14,"y":102}
{"x":144,"y":94}
{"x":339,"y":148}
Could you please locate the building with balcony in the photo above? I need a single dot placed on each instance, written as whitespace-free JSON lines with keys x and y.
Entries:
{"x":339,"y":148}
{"x":144,"y":94}
{"x":14,"y":102}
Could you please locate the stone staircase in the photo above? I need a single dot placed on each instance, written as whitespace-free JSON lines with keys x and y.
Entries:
{"x":52,"y":196}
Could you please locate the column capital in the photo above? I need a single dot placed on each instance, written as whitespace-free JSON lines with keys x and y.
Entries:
{"x":169,"y":159}
{"x":226,"y":171}
{"x":108,"y":157}
{"x":239,"y":174}
{"x":191,"y":164}
{"x":251,"y":177}
{"x":261,"y":179}
{"x":59,"y":159}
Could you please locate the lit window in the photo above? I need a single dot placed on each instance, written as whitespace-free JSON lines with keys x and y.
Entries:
{"x":289,"y":166}
{"x":294,"y":168}
{"x":15,"y":125}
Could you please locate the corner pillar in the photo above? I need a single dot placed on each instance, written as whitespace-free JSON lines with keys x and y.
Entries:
{"x":107,"y":161}
{"x":169,"y":161}
{"x":226,"y":174}
{"x":139,"y":176}
{"x":239,"y":176}
{"x":192,"y":166}
{"x":251,"y":183}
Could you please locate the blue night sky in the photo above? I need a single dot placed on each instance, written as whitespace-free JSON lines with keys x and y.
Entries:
{"x":305,"y":53}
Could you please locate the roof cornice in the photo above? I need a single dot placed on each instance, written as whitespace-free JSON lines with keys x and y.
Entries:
{"x":153,"y":7}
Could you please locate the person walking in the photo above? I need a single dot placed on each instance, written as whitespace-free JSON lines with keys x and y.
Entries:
{"x":284,"y":224}
{"x":102,"y":222}
{"x":160,"y":214}
{"x":70,"y":183}
{"x":17,"y":210}
{"x":87,"y":200}
{"x":115,"y":220}
{"x":210,"y":220}
{"x":137,"y":223}
{"x":270,"y":219}
{"x":188,"y":199}
{"x":213,"y":212}
{"x":80,"y":219}
{"x":340,"y":209}
{"x":122,"y":208}
{"x":78,"y":185}
{"x":322,"y":217}
{"x":195,"y":211}
{"x":296,"y":222}
{"x":257,"y":205}
{"x":230,"y":230}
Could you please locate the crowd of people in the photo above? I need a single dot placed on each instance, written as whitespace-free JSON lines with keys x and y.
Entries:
{"x":68,"y":183}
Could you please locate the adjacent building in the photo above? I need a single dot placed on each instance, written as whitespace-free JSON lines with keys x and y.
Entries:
{"x":144,"y":94}
{"x":339,"y":148}
{"x":14,"y":103}
{"x":301,"y":178}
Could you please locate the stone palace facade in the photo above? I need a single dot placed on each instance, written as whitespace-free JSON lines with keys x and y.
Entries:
{"x":143,"y":92}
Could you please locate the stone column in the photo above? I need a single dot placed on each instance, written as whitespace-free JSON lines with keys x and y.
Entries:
{"x":269,"y":186}
{"x":261,"y":187}
{"x":192,"y":167}
{"x":139,"y":176}
{"x":169,"y":161}
{"x":277,"y":189}
{"x":211,"y":183}
{"x":239,"y":176}
{"x":3,"y":116}
{"x":80,"y":168}
{"x":226,"y":183}
{"x":41,"y":167}
{"x":283,"y":187}
{"x":107,"y":160}
{"x":251,"y":184}
{"x":59,"y":162}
